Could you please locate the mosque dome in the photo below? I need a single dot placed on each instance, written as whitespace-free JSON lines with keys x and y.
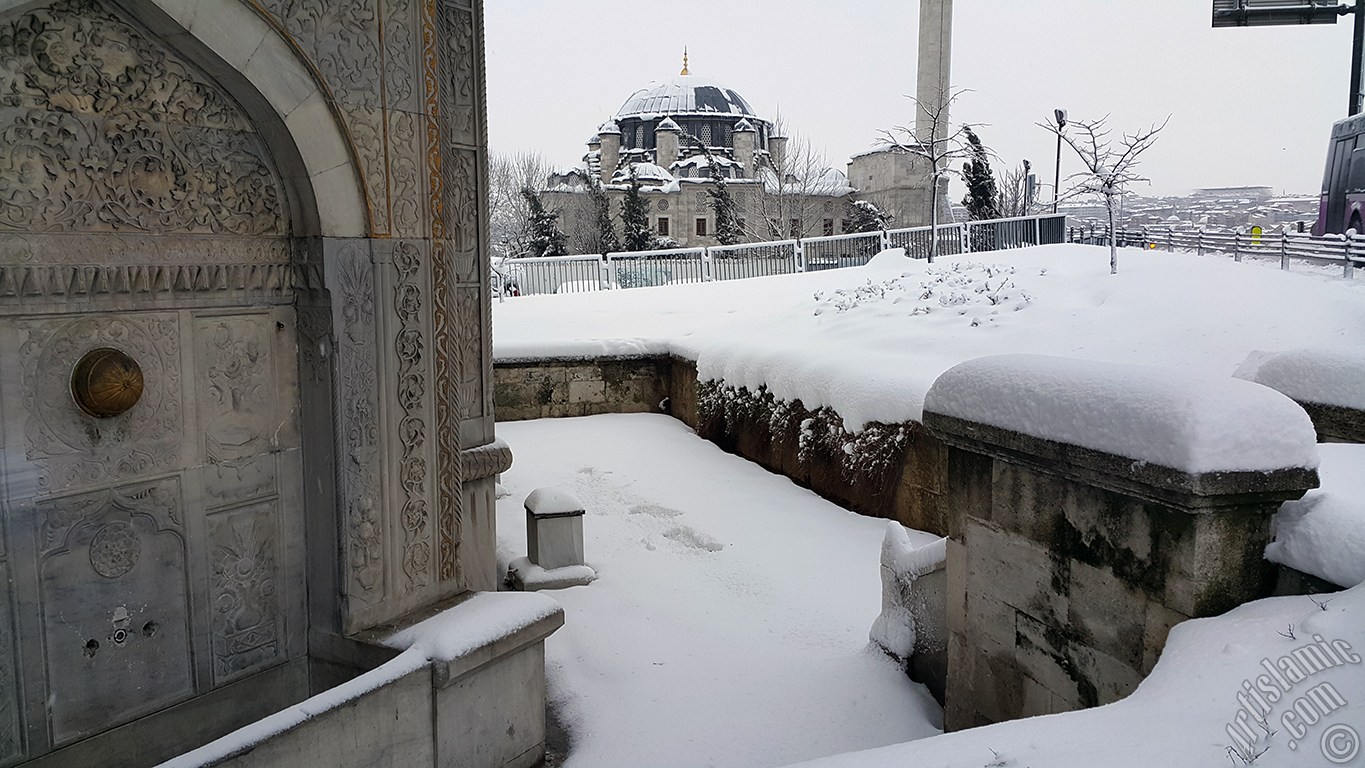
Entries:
{"x":700,"y":109}
{"x":684,"y":95}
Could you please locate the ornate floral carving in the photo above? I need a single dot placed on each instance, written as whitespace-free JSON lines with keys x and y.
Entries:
{"x":159,"y":500}
{"x":449,"y":496}
{"x":469,"y":352}
{"x":462,"y":194}
{"x":400,"y":51}
{"x":236,"y":398}
{"x":246,"y":609}
{"x":69,"y":448}
{"x":358,"y":423}
{"x":412,"y":428}
{"x":315,"y":342}
{"x":102,"y":129}
{"x":341,"y":37}
{"x":461,"y":88}
{"x":486,"y":460}
{"x":404,"y":174}
{"x":115,"y":549}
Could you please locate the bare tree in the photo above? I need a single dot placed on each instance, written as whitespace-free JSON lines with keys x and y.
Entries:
{"x":509,"y":213}
{"x":1110,"y":164}
{"x":941,"y":145}
{"x":1012,"y":193}
{"x":788,"y":198}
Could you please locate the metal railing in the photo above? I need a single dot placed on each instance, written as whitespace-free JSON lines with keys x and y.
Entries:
{"x":637,"y":269}
{"x":1346,"y":252}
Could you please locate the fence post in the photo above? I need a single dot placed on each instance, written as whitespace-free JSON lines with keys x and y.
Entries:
{"x":706,"y":265}
{"x":1037,"y":232}
{"x":1284,"y":250}
{"x":1348,"y":270}
{"x":1199,"y":242}
{"x":1170,"y":239}
{"x":608,"y":272}
{"x":800,"y":251}
{"x":886,"y":241}
{"x":1237,"y":245}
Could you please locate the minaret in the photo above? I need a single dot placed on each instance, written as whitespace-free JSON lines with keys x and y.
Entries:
{"x":932,"y":80}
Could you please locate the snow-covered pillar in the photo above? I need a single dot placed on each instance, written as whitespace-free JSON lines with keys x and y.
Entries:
{"x":1092,"y":507}
{"x":745,"y":138}
{"x":609,"y":136}
{"x":666,"y":137}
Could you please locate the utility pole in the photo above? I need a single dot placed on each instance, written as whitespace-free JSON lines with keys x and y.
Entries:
{"x":1060,"y":115}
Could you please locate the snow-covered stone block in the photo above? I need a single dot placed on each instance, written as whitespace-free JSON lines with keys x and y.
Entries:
{"x":1328,"y":383}
{"x":554,"y":528}
{"x":1188,"y":432}
{"x":912,"y":624}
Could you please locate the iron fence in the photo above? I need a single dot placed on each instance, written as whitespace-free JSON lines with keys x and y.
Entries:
{"x":1346,"y":252}
{"x":594,"y":272}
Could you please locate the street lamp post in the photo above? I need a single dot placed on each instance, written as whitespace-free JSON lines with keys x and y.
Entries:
{"x":1060,"y":115}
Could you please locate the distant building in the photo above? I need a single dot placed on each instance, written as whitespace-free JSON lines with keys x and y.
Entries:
{"x":671,"y":132}
{"x":1235,"y":193}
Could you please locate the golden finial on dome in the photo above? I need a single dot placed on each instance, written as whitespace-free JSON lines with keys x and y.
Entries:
{"x":684,"y":69}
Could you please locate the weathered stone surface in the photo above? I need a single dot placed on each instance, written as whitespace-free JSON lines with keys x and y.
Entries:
{"x":1072,"y":566}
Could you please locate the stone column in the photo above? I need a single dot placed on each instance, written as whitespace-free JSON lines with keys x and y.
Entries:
{"x":744,"y":139}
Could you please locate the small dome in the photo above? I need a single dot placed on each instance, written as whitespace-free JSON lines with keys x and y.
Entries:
{"x":647,"y":173}
{"x":684,"y":95}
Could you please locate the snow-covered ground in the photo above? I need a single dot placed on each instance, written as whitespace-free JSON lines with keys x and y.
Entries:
{"x":870,"y":341}
{"x":1293,"y":662}
{"x":728,"y":625}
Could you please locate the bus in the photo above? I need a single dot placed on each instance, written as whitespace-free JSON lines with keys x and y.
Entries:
{"x":1342,"y":205}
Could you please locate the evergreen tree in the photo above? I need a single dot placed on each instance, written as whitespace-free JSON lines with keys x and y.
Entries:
{"x":982,"y":198}
{"x":604,"y":229}
{"x":546,"y":237}
{"x":723,"y":205}
{"x":635,"y":217}
{"x":865,"y":216}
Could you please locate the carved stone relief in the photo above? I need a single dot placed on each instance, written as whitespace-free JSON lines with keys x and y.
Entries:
{"x":103,"y":130}
{"x":462,"y":211}
{"x":409,"y":303}
{"x":486,"y":460}
{"x":236,"y":388}
{"x":400,"y":56}
{"x":342,"y":38}
{"x":358,"y":425}
{"x":469,"y":351}
{"x":69,"y":448}
{"x":405,"y":174}
{"x":246,"y":609}
{"x":460,"y":87}
{"x":113,"y":604}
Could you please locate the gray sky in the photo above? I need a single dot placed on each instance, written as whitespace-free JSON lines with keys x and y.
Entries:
{"x":1247,"y":106}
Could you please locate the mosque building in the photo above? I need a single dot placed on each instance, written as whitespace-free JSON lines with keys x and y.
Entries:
{"x":670,"y":133}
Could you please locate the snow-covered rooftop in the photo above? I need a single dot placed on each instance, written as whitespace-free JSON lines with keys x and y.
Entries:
{"x":684,"y":95}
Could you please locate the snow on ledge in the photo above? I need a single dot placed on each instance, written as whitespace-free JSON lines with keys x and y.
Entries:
{"x":1323,"y":533}
{"x":474,"y":623}
{"x":1322,"y":376}
{"x":1192,"y":423}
